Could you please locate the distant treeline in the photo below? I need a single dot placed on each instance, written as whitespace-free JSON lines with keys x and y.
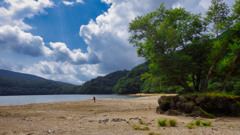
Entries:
{"x":10,"y":86}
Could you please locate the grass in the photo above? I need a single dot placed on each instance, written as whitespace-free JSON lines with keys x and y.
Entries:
{"x":141,"y":122}
{"x":136,"y":127}
{"x":190,"y":126}
{"x":153,"y":133}
{"x":207,"y":123}
{"x":162,"y":123}
{"x":211,"y":93}
{"x":197,"y":122}
{"x":173,"y":122}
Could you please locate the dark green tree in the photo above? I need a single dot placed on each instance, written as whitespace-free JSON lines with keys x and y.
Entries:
{"x":162,"y":36}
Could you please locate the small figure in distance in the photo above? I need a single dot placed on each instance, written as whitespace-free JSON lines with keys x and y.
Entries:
{"x":94,"y":99}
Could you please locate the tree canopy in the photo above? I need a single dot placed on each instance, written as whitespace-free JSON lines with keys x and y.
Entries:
{"x":187,"y":49}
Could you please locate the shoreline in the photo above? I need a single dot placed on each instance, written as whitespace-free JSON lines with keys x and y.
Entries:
{"x":105,"y":117}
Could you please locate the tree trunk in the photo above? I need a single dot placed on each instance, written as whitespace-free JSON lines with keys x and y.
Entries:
{"x":214,"y":63}
{"x":193,"y":80}
{"x":198,"y":81}
{"x":185,"y":85}
{"x":233,"y":68}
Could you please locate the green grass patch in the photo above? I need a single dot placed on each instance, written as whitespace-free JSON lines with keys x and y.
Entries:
{"x":190,"y":125}
{"x":141,"y":122}
{"x":173,"y":122}
{"x":162,"y":123}
{"x":197,"y":122}
{"x":145,"y":128}
{"x":207,"y":123}
{"x":136,"y":127}
{"x":153,"y":133}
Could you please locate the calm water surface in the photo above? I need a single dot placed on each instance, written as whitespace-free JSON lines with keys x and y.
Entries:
{"x":33,"y":99}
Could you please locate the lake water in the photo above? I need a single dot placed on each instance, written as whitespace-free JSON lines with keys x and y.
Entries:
{"x":33,"y":99}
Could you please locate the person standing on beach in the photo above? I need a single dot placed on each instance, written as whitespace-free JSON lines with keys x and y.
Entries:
{"x":94,"y":99}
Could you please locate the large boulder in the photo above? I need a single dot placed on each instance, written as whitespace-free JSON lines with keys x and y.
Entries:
{"x":188,"y":107}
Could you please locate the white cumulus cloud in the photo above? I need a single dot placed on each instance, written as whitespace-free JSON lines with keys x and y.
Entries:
{"x":68,"y":3}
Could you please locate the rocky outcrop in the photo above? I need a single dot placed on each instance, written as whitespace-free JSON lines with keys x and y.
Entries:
{"x":199,"y":105}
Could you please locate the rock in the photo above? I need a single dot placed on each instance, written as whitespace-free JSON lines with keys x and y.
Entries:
{"x":183,"y":99}
{"x":173,"y":103}
{"x":118,"y":119}
{"x":50,"y":131}
{"x":200,"y":99}
{"x":158,"y":110}
{"x":164,"y":105}
{"x":172,"y":112}
{"x":103,"y":121}
{"x":198,"y":111}
{"x":188,"y":107}
{"x":178,"y":105}
{"x":192,"y":98}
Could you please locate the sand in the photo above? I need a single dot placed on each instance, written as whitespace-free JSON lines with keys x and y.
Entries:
{"x":105,"y":117}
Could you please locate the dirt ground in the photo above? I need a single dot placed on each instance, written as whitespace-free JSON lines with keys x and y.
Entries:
{"x":105,"y":117}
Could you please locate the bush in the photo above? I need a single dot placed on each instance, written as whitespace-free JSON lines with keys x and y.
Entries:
{"x":207,"y":123}
{"x":152,"y":133}
{"x":197,"y":122}
{"x":162,"y":122}
{"x":145,"y":128}
{"x":173,"y":123}
{"x":136,"y":127}
{"x":141,"y":122}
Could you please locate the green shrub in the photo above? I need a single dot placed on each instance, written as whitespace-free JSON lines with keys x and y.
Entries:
{"x":141,"y":122}
{"x":190,"y":125}
{"x":152,"y":133}
{"x":136,"y":127}
{"x":207,"y":123}
{"x":197,"y":122}
{"x":145,"y":128}
{"x":173,"y":123}
{"x":162,"y":122}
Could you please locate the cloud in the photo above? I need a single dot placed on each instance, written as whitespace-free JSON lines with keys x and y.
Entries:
{"x":71,"y":3}
{"x":16,"y":40}
{"x":17,"y":10}
{"x":60,"y":52}
{"x":80,"y":1}
{"x":108,"y":35}
{"x":63,"y":71}
{"x":68,"y":3}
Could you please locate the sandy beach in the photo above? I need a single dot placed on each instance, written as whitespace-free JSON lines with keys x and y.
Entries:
{"x":105,"y":117}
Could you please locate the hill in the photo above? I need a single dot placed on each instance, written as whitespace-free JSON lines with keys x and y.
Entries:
{"x":13,"y":83}
{"x":101,"y":85}
{"x":132,"y":83}
{"x":16,"y":75}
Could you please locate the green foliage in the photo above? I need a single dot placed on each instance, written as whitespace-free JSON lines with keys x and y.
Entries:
{"x":181,"y":52}
{"x":153,"y":133}
{"x":190,"y":126}
{"x":10,"y":86}
{"x":162,"y":123}
{"x":173,"y":122}
{"x":131,"y":83}
{"x":145,"y":128}
{"x":207,"y":123}
{"x":136,"y":127}
{"x":197,"y":122}
{"x":101,"y":85}
{"x":141,"y":122}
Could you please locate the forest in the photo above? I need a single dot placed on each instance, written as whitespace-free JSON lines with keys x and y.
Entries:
{"x":191,"y":52}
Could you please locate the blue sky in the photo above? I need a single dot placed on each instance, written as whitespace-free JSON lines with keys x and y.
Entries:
{"x":74,"y":40}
